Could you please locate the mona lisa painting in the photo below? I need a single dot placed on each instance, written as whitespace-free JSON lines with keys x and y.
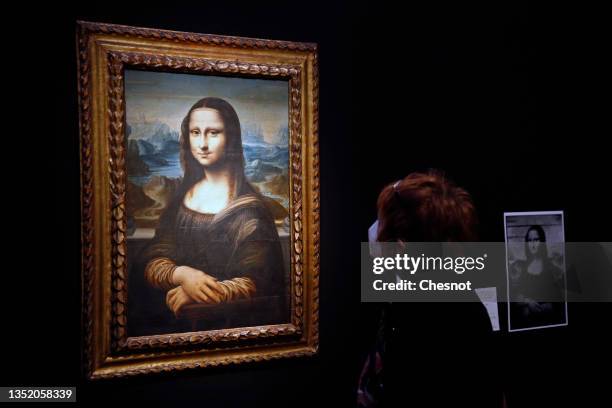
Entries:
{"x":200,"y":233}
{"x":211,"y":190}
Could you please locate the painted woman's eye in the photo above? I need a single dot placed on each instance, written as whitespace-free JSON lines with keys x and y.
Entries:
{"x":195,"y":132}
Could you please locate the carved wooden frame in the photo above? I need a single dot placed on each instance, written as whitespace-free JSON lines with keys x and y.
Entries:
{"x":104,"y":50}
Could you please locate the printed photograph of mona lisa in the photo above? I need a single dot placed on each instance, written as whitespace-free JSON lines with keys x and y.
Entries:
{"x":535,"y":270}
{"x":207,"y":202}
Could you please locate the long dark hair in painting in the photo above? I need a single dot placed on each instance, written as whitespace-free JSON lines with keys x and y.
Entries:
{"x":233,"y":157}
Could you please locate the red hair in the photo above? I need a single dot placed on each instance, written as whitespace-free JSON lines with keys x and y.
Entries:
{"x":425,"y":207}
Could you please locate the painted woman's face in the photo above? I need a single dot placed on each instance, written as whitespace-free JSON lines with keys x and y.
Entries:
{"x":533,"y":241}
{"x":207,"y":136}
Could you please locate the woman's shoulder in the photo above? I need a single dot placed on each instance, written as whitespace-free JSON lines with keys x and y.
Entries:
{"x":246,"y":216}
{"x":250,"y":203}
{"x":241,"y":209}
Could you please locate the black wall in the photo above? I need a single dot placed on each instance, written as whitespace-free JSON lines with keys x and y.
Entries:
{"x":505,"y":100}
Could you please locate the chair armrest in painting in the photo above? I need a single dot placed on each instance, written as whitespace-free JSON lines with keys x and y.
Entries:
{"x":204,"y":311}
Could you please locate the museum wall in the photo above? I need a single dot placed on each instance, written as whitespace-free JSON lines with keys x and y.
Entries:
{"x":504,"y":101}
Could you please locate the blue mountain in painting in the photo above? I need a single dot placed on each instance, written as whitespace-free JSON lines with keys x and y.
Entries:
{"x":154,"y":132}
{"x":263,"y":159}
{"x":170,"y":147}
{"x":144,"y":147}
{"x":252,"y":134}
{"x":158,"y":148}
{"x":267,"y":164}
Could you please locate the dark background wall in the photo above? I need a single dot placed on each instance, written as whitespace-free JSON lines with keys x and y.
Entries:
{"x":505,"y":100}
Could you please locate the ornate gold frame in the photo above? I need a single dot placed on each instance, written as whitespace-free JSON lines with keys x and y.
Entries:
{"x":103,"y":52}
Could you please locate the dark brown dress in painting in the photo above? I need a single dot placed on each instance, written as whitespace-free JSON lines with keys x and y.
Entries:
{"x":238,"y":244}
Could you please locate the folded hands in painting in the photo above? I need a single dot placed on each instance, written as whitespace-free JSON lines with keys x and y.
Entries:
{"x":177,"y":298}
{"x":195,"y":286}
{"x":198,"y":285}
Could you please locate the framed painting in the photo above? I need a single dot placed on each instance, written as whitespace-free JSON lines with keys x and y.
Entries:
{"x":200,"y":199}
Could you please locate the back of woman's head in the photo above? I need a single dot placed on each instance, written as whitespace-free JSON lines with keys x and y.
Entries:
{"x":425,"y":207}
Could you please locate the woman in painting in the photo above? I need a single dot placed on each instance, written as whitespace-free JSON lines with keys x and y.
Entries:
{"x":537,"y":285}
{"x":217,"y":242}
